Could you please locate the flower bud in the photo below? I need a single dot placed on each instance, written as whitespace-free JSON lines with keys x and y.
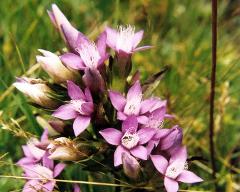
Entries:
{"x":64,"y":149}
{"x":52,"y":64}
{"x":131,"y":167}
{"x":37,"y":90}
{"x":173,"y":139}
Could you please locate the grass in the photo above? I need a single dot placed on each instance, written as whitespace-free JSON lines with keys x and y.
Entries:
{"x":181,"y":34}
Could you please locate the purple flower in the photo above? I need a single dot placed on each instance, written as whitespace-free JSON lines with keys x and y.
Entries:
{"x":174,"y":170}
{"x":34,"y":150}
{"x":129,"y":140}
{"x":124,"y":40}
{"x":133,"y":104}
{"x":80,"y":108}
{"x":45,"y":172}
{"x":131,"y":166}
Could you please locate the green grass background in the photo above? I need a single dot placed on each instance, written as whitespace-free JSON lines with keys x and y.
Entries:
{"x":181,"y":34}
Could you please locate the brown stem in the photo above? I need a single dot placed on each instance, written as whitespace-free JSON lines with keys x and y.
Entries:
{"x":212,"y":94}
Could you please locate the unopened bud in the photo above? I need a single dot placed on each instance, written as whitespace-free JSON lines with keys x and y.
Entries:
{"x":131,"y":167}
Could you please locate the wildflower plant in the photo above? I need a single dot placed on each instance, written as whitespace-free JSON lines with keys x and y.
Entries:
{"x":118,"y":130}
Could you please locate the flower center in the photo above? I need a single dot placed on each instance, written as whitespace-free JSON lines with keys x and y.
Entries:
{"x":154,"y":123}
{"x":89,"y":54}
{"x":77,"y":105}
{"x":174,"y":170}
{"x":125,"y":37}
{"x":130,"y":140}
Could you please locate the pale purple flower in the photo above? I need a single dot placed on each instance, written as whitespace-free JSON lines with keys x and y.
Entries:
{"x":174,"y":170}
{"x":134,"y":104}
{"x":79,"y":108}
{"x":42,"y":175}
{"x":124,"y":40}
{"x":34,"y":150}
{"x":129,"y":140}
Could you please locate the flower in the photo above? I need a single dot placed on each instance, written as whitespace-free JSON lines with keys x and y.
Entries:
{"x":129,"y":140}
{"x":133,"y":104}
{"x":124,"y":40}
{"x":80,"y":108}
{"x":46,"y":172}
{"x":63,"y":149}
{"x":54,"y":67}
{"x":37,"y":90}
{"x":34,"y":150}
{"x":131,"y":166}
{"x":174,"y":170}
{"x":67,"y":31}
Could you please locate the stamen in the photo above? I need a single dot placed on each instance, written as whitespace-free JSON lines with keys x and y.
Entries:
{"x":125,"y":37}
{"x":174,"y":170}
{"x":130,"y":140}
{"x":89,"y":54}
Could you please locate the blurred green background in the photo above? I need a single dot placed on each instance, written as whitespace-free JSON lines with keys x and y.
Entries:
{"x":181,"y":34}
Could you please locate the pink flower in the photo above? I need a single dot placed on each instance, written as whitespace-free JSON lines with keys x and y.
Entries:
{"x":129,"y":140}
{"x":124,"y":40}
{"x":80,"y":108}
{"x":174,"y":170}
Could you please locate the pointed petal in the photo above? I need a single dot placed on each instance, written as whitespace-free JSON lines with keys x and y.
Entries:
{"x":75,"y":91}
{"x":65,"y":112}
{"x":49,"y":186}
{"x":117,"y":100}
{"x":101,"y":44}
{"x":58,"y":169}
{"x":111,"y":37}
{"x":121,"y":116}
{"x":118,"y":155}
{"x":149,"y":105}
{"x":80,"y":124}
{"x":49,"y":163}
{"x":160,"y":163}
{"x":44,"y":136}
{"x":26,"y":161}
{"x":70,"y":35}
{"x":188,"y":177}
{"x":142,"y":119}
{"x":112,"y":136}
{"x":145,"y":134}
{"x":170,"y":185}
{"x":137,"y":38}
{"x":142,"y":48}
{"x":73,"y":61}
{"x":87,"y":108}
{"x":180,"y":155}
{"x":139,"y":152}
{"x":130,"y":124}
{"x":135,"y":92}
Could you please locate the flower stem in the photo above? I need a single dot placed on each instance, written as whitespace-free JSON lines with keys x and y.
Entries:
{"x":212,"y":94}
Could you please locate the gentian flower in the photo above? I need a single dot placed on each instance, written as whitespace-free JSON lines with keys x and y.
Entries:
{"x":54,"y":67}
{"x":124,"y":40}
{"x":34,"y":150}
{"x":90,"y":59}
{"x":129,"y":140}
{"x":45,"y":172}
{"x":36,"y":90}
{"x":133,"y":104}
{"x":174,"y":170}
{"x":80,"y":108}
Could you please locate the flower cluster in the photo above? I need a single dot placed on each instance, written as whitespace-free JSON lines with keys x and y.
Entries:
{"x":94,"y":111}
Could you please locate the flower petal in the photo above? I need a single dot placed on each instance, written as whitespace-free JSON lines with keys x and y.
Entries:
{"x":65,"y":112}
{"x":49,"y":186}
{"x":80,"y":124}
{"x":112,"y":136}
{"x":135,"y":92}
{"x":73,"y":61}
{"x":180,"y":155}
{"x":142,"y":119}
{"x":130,"y":124}
{"x":160,"y":163}
{"x":111,"y":37}
{"x":188,"y":177}
{"x":58,"y":169}
{"x":118,"y":155}
{"x":74,"y":91}
{"x":117,"y":100}
{"x":143,"y":48}
{"x":170,"y":185}
{"x":145,"y":134}
{"x":137,"y":38}
{"x":88,"y":95}
{"x":149,"y":105}
{"x":121,"y":116}
{"x":101,"y":43}
{"x":139,"y":152}
{"x":49,"y":163}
